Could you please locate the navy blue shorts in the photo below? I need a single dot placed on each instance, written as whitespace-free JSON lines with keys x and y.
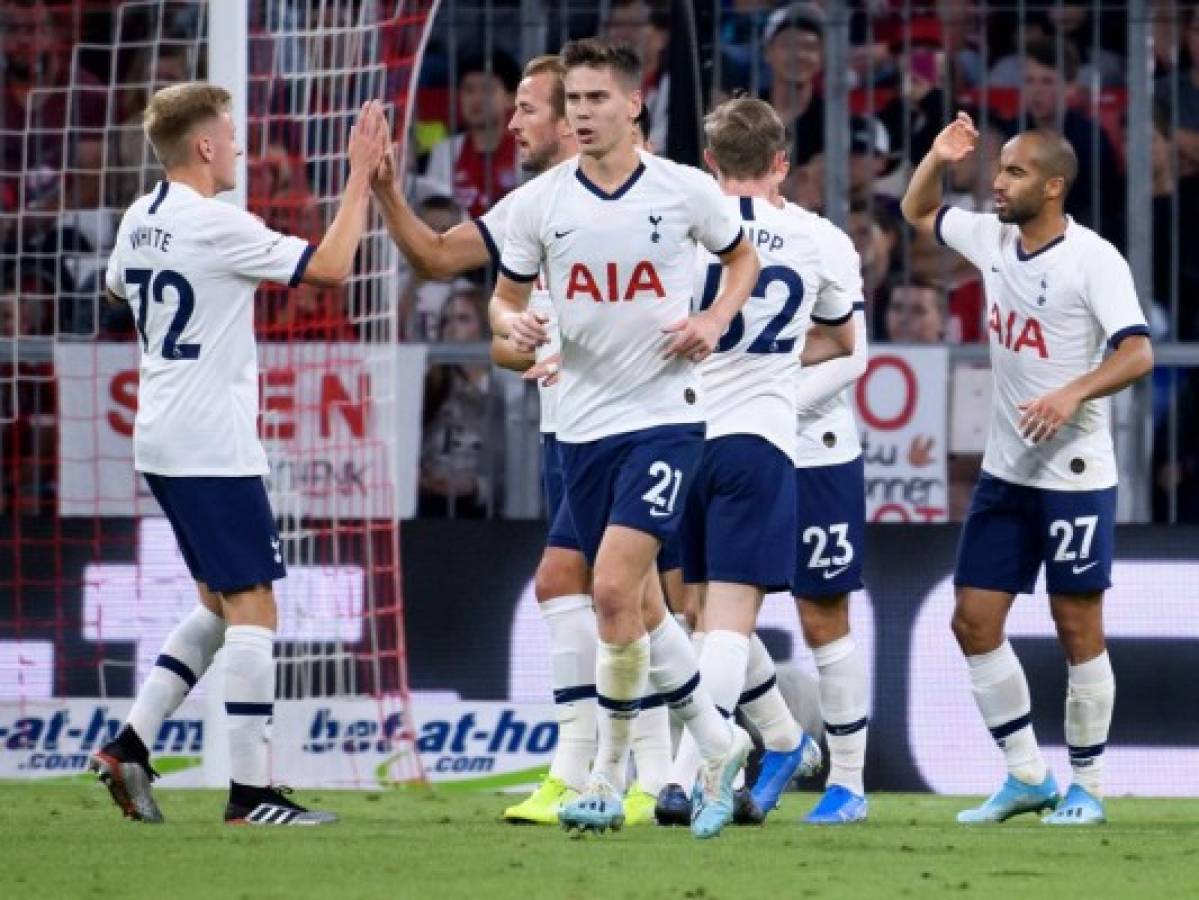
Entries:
{"x":831,"y":506}
{"x":639,"y":479}
{"x":224,"y":528}
{"x":739,"y":524}
{"x":1012,"y":529}
{"x":670,"y":557}
{"x":562,"y":528}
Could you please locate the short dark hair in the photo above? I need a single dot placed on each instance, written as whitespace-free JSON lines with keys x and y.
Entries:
{"x":1056,"y":157}
{"x":1043,"y":51}
{"x":498,"y":63}
{"x":744,"y":135}
{"x":550,"y":64}
{"x":595,"y":53}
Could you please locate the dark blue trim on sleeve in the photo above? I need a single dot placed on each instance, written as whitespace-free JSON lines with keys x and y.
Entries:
{"x":860,"y":306}
{"x":1115,"y":339}
{"x":301,"y":266}
{"x":163,"y":187}
{"x":841,"y":321}
{"x":733,"y":245}
{"x":747,"y":208}
{"x":492,"y":250}
{"x":516,"y":276}
{"x":937,"y":226}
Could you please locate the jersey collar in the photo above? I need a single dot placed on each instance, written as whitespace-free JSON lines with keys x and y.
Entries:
{"x":1025,"y":257}
{"x":616,"y":194}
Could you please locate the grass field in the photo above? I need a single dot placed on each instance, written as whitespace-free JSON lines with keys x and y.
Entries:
{"x":66,"y":840}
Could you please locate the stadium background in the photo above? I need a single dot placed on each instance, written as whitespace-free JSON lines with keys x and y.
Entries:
{"x":406,"y":468}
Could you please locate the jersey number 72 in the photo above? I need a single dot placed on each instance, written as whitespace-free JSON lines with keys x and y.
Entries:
{"x":148,"y":283}
{"x":768,"y":341}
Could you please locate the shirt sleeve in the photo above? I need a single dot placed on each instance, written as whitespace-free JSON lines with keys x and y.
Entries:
{"x":493,"y":226}
{"x":716,"y":224}
{"x":828,"y":379}
{"x":841,"y":284}
{"x":114,"y":276}
{"x":246,"y":247}
{"x":522,"y":252}
{"x":974,"y":235}
{"x":1112,"y":296}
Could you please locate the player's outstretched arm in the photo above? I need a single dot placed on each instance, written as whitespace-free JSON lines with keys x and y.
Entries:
{"x":696,"y":337}
{"x":922,"y":199}
{"x":333,"y":260}
{"x":1132,"y":360}
{"x":435,"y":256}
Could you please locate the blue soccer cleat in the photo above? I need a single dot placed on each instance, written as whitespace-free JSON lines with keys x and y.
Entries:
{"x":779,"y":769}
{"x":1014,"y":798}
{"x":712,"y":796}
{"x":1078,"y":807}
{"x":838,"y":806}
{"x":598,"y":808}
{"x":673,"y":806}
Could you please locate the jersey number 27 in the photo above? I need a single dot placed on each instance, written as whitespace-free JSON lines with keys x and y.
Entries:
{"x":148,"y":283}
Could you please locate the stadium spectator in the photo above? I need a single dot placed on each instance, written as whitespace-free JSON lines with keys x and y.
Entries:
{"x":794,"y":40}
{"x":1048,"y":81}
{"x":917,"y":112}
{"x":869,"y":157}
{"x":1185,"y":81}
{"x":478,"y":166}
{"x":916,"y":313}
{"x":645,"y":26}
{"x":875,"y":235}
{"x":457,"y":456}
{"x":1175,"y":225}
{"x":1071,"y":21}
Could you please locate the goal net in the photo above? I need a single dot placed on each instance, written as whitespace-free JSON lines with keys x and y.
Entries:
{"x":91,"y":580}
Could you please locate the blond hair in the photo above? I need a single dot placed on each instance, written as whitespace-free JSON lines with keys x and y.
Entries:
{"x":744,"y":134}
{"x":174,"y":111}
{"x":551,"y":64}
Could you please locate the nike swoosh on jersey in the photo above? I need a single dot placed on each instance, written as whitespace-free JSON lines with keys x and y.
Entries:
{"x":834,"y":573}
{"x":561,"y":234}
{"x":1078,"y":570}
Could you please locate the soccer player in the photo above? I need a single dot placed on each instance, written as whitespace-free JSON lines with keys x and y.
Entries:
{"x":615,"y":232}
{"x":1056,"y":291}
{"x":189,"y":265}
{"x":739,"y":528}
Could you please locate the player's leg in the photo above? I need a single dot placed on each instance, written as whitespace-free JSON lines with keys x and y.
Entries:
{"x":124,"y":763}
{"x":998,"y":558}
{"x":673,"y":804}
{"x":832,"y":517}
{"x":1079,"y":529}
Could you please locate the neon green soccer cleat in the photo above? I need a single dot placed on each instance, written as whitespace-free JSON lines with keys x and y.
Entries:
{"x":541,"y":807}
{"x":639,"y":806}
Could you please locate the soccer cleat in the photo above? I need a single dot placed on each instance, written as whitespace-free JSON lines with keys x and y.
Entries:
{"x":1078,"y":807}
{"x":638,"y":806}
{"x":541,"y":807}
{"x":779,"y":769}
{"x":745,"y":811}
{"x":128,"y":782}
{"x":270,"y":806}
{"x":673,"y":806}
{"x":838,"y":806}
{"x":598,"y":808}
{"x":712,"y":796}
{"x":1012,"y":799}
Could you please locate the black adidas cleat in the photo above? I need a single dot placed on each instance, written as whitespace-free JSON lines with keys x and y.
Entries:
{"x":270,"y":806}
{"x":745,"y":810}
{"x":673,"y":806}
{"x":128,"y":781}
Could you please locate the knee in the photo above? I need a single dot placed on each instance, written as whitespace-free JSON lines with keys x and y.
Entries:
{"x":824,"y":622}
{"x":560,"y":575}
{"x":973,"y":635}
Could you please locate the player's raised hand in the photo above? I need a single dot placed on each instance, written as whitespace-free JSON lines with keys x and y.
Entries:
{"x":547,"y":372}
{"x":384,"y":175}
{"x":527,"y":330}
{"x":1040,"y":419}
{"x":957,"y":140}
{"x":694,"y":338}
{"x":368,"y":139}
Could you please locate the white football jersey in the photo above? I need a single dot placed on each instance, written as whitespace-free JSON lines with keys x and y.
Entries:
{"x":620,"y":268}
{"x":828,"y":429}
{"x":188,"y":266}
{"x":809,"y":274}
{"x":493,"y":225}
{"x":1048,"y":316}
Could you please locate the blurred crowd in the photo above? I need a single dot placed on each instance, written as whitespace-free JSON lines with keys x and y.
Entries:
{"x":72,"y":157}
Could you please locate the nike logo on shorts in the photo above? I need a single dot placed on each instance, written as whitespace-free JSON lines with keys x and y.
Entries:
{"x":828,"y":576}
{"x":1078,"y":570}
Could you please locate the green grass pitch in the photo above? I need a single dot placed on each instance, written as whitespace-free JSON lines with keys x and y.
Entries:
{"x":67,"y":840}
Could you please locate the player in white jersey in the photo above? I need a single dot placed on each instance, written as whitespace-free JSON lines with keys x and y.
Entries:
{"x":615,"y":232}
{"x":738,"y":534}
{"x":189,"y":265}
{"x":1056,"y":293}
